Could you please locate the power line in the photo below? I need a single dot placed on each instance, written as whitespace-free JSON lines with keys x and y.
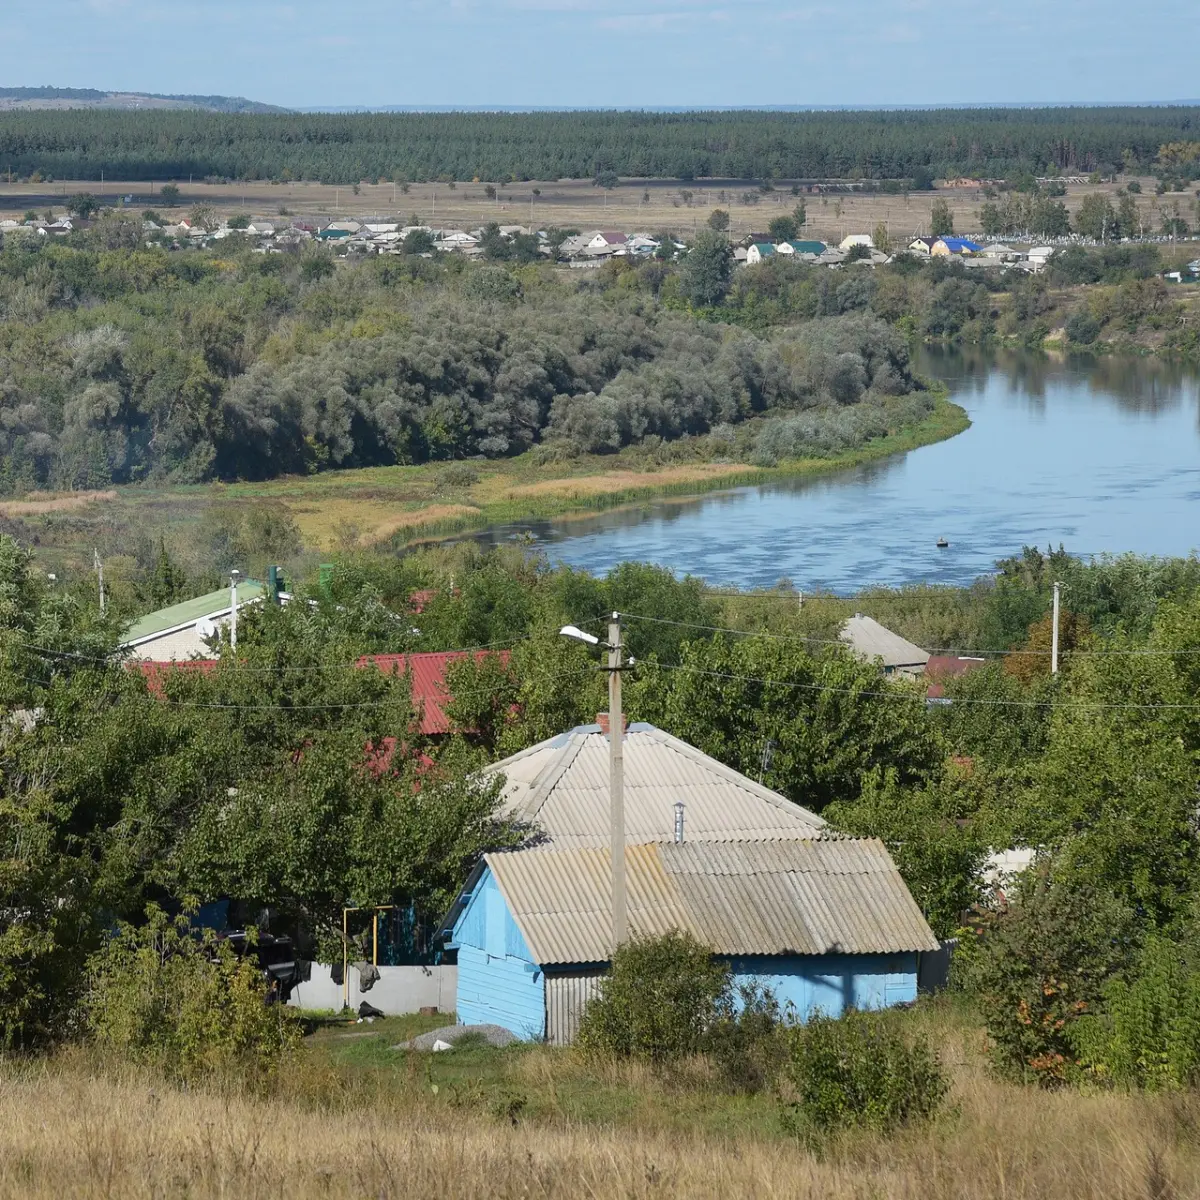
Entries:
{"x":912,"y":698}
{"x":799,"y":637}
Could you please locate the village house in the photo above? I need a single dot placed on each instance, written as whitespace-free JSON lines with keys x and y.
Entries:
{"x":187,"y":630}
{"x":857,"y":239}
{"x":944,"y":246}
{"x":758,"y":251}
{"x":826,"y":922}
{"x":803,"y":248}
{"x":874,"y":643}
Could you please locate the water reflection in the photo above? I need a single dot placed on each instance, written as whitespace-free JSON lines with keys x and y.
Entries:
{"x":1101,"y":454}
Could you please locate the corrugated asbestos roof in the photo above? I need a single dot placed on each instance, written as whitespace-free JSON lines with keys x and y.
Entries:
{"x":870,"y":641}
{"x":561,"y":786}
{"x":812,"y":896}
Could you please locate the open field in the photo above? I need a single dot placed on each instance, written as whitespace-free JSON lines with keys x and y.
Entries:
{"x":350,"y":1118}
{"x":343,"y":510}
{"x":635,"y":205}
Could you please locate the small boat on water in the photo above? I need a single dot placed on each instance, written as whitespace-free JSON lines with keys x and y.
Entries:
{"x":942,"y":544}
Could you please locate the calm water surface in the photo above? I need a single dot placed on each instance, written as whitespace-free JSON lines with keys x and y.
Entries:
{"x":1100,"y":455}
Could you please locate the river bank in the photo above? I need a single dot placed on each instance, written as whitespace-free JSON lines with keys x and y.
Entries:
{"x":396,"y":507}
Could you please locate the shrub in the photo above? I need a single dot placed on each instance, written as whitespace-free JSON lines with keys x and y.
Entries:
{"x":1082,"y":327}
{"x":457,"y":475}
{"x":185,"y":1003}
{"x":659,"y":1000}
{"x":1148,"y":1035}
{"x":1042,"y":966}
{"x":860,"y":1071}
{"x":748,"y":1042}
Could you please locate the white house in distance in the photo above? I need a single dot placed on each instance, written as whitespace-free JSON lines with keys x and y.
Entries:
{"x":857,"y":239}
{"x":758,"y":251}
{"x":183,"y":630}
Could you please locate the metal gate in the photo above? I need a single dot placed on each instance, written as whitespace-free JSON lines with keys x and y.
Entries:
{"x":567,"y":995}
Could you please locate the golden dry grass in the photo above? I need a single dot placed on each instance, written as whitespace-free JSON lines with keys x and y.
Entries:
{"x":67,"y":1129}
{"x":567,"y":203}
{"x":585,"y":486}
{"x":51,"y":502}
{"x":431,"y":514}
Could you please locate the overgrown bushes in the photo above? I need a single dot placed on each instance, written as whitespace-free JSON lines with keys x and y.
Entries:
{"x":185,"y":1003}
{"x":659,"y":1001}
{"x":667,"y":999}
{"x":861,"y":1070}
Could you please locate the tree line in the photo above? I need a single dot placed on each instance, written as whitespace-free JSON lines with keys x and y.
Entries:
{"x":120,"y":364}
{"x":348,"y":149}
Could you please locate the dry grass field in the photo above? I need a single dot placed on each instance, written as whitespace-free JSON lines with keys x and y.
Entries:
{"x":635,"y":205}
{"x":363,"y":1121}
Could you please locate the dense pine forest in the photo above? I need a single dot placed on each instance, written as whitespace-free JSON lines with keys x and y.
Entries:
{"x":498,"y":146}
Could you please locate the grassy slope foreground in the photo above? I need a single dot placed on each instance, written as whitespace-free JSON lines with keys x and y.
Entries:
{"x":351,"y":1119}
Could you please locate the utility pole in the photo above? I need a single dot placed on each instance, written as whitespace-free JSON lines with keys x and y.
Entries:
{"x":616,"y":781}
{"x":100,"y":572}
{"x":233,"y":607}
{"x":616,"y":767}
{"x":1054,"y":634}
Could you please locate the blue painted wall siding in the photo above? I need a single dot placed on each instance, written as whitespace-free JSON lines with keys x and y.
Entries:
{"x":832,"y":983}
{"x":498,"y":981}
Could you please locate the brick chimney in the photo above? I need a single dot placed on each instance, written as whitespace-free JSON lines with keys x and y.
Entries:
{"x":602,"y":721}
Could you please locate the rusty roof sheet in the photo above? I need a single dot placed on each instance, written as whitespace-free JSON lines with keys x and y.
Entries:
{"x":561,"y":786}
{"x":798,"y":897}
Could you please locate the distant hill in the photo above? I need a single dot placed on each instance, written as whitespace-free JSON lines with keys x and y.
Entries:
{"x":54,"y":97}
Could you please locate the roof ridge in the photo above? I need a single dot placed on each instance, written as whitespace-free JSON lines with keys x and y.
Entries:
{"x":694,"y":754}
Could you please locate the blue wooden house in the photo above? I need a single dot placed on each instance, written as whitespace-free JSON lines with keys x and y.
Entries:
{"x":825,"y":922}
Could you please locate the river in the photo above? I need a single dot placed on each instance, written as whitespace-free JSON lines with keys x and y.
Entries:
{"x":1098,"y":454}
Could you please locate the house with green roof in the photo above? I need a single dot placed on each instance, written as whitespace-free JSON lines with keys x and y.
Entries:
{"x":182,"y":631}
{"x":758,"y":251}
{"x":801,"y":247}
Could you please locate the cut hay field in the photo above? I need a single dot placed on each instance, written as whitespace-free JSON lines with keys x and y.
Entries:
{"x":651,"y":205}
{"x":391,"y":507}
{"x":351,"y":1118}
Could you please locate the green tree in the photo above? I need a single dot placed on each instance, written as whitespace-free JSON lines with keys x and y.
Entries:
{"x":1095,"y":218}
{"x":170,"y":194}
{"x":707,"y":270}
{"x":812,"y":727}
{"x":205,"y":217}
{"x":1042,"y":966}
{"x":418,"y":241}
{"x":800,"y":215}
{"x":941,"y":220}
{"x":782,"y":229}
{"x":718,"y":219}
{"x":83,"y":205}
{"x":928,"y":831}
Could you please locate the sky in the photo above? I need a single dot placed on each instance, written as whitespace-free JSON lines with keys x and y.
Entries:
{"x":608,"y":53}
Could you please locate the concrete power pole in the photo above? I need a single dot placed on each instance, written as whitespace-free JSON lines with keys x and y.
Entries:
{"x":1054,"y":634}
{"x":100,"y":573}
{"x":616,"y":782}
{"x":233,"y":607}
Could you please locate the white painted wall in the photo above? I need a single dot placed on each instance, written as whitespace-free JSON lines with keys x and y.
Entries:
{"x":399,"y":990}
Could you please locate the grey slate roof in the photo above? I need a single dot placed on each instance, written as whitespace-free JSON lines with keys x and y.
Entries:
{"x":561,"y":786}
{"x":870,"y":641}
{"x":802,"y":897}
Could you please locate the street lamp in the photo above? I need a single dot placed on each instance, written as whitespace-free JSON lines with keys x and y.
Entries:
{"x":616,"y":767}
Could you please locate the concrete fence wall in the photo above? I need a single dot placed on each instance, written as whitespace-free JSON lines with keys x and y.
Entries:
{"x":399,"y":990}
